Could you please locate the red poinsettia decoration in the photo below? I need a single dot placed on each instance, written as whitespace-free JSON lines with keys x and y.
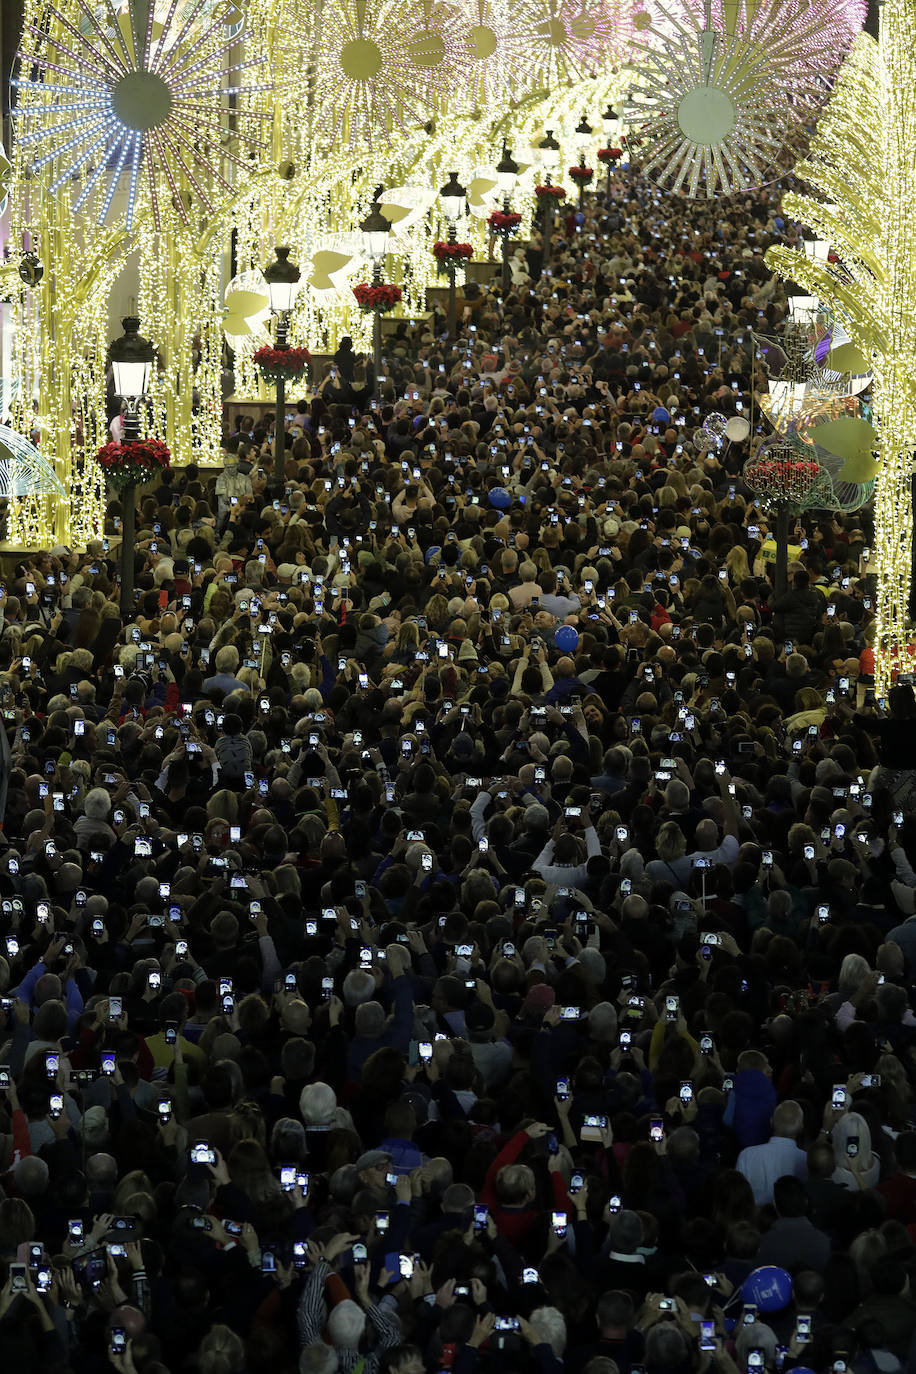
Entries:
{"x":382,"y":297}
{"x":134,"y":460}
{"x":609,"y":154}
{"x":550,"y":192}
{"x":504,"y":221}
{"x":581,"y":173}
{"x":777,"y":480}
{"x":443,"y":250}
{"x":282,"y":364}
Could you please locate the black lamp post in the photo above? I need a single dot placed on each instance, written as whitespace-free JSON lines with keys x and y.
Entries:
{"x":282,"y":277}
{"x":584,"y":133}
{"x":506,"y":176}
{"x":549,"y":152}
{"x":375,"y":229}
{"x":454,"y":207}
{"x":610,"y":121}
{"x":132,"y":358}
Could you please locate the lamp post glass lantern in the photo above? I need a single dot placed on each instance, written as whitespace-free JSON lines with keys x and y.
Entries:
{"x":283,"y":279}
{"x":374,"y":231}
{"x":132,"y":358}
{"x":454,"y":207}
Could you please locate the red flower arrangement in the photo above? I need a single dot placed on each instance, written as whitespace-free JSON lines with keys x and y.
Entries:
{"x":443,"y":250}
{"x":504,"y":221}
{"x":550,"y":192}
{"x":776,"y":480}
{"x":383,"y":297}
{"x":609,"y":154}
{"x":134,"y":460}
{"x":451,"y":255}
{"x":281,"y":364}
{"x":582,"y":173}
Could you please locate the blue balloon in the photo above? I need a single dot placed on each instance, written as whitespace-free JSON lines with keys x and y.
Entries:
{"x":566,"y":638}
{"x":769,"y":1288}
{"x":500,"y":498}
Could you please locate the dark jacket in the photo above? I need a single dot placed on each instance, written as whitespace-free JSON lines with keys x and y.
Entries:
{"x":798,"y":613}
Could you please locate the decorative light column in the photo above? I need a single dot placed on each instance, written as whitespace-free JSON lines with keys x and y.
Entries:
{"x":374,"y":231}
{"x":132,"y":358}
{"x":454,"y":200}
{"x":283,"y":279}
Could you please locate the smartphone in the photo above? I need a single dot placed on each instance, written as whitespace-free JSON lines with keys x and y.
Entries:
{"x":558,"y":1223}
{"x":707,"y":1335}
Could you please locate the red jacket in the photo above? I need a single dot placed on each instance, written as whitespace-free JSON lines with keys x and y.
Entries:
{"x":515,"y":1222}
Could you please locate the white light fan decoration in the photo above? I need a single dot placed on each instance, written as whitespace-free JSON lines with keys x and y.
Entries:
{"x":23,"y":470}
{"x":725,"y":91}
{"x":247,"y":303}
{"x":404,"y":206}
{"x":333,"y":256}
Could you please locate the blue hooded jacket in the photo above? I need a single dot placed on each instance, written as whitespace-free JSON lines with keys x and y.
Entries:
{"x":750,"y":1107}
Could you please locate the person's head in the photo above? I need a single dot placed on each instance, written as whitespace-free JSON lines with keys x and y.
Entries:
{"x":851,"y":1140}
{"x":221,"y":1352}
{"x":319,"y":1359}
{"x":346,"y":1324}
{"x":515,"y":1185}
{"x":615,"y":1313}
{"x":625,"y":1232}
{"x":788,"y":1120}
{"x":549,"y":1328}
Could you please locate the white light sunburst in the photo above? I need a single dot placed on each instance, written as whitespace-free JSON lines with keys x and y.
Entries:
{"x":725,"y":93}
{"x":137,"y":92}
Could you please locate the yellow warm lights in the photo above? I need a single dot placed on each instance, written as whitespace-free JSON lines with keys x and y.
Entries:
{"x":863,"y":162}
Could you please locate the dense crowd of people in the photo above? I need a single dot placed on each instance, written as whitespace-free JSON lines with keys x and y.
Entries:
{"x":465,"y":919}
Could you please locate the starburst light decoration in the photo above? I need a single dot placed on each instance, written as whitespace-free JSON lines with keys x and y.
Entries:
{"x":141,"y":90}
{"x":600,"y":30}
{"x":553,"y":54}
{"x":25,"y":472}
{"x":366,"y":89}
{"x":724,"y":93}
{"x":499,"y":67}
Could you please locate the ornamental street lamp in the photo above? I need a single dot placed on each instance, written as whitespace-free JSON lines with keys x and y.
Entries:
{"x":132,"y":358}
{"x":549,"y":156}
{"x":610,"y":122}
{"x":283,"y":281}
{"x":506,"y":177}
{"x":584,"y":133}
{"x":374,"y":231}
{"x":454,"y":207}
